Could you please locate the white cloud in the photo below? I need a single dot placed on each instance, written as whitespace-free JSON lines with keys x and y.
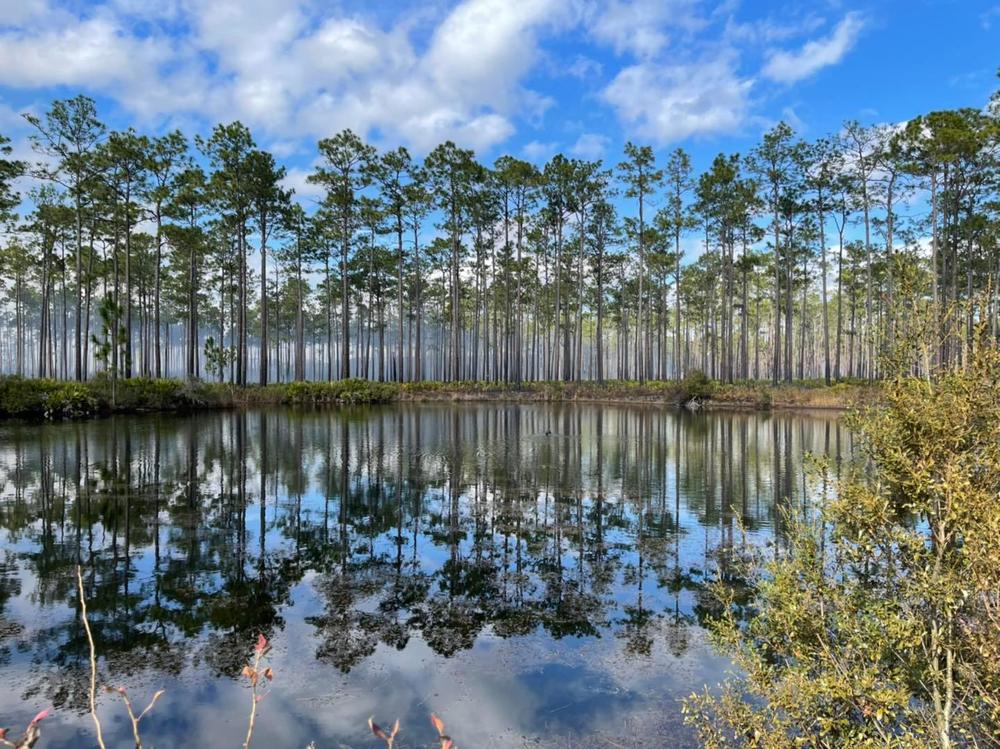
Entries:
{"x":277,"y":66}
{"x":484,"y":45}
{"x":590,"y":146}
{"x":539,"y":152}
{"x":306,"y":192}
{"x":667,"y":103}
{"x":285,"y":148}
{"x":640,"y":27}
{"x":789,"y":115}
{"x":769,"y":30}
{"x":23,"y":11}
{"x":465,"y":86}
{"x":987,"y":17}
{"x":790,"y":67}
{"x":11,"y":119}
{"x":95,"y":51}
{"x":297,"y":70}
{"x":584,"y":67}
{"x":345,"y":46}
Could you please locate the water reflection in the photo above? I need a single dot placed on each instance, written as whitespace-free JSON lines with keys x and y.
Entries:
{"x":531,"y":572}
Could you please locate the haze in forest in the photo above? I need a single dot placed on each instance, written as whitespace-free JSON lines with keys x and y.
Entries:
{"x":509,"y":192}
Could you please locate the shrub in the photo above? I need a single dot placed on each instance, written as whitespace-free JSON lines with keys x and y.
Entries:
{"x":353,"y":391}
{"x":146,"y":394}
{"x":50,"y":399}
{"x":696,"y":384}
{"x":877,"y":622}
{"x":23,"y":397}
{"x":71,"y":401}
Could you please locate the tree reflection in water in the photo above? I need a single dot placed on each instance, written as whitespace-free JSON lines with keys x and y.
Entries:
{"x":451,"y":525}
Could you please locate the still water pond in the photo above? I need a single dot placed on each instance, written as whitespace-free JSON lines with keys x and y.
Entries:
{"x":533,"y":574}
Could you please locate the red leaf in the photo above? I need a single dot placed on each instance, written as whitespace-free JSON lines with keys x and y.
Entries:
{"x":268,"y":674}
{"x":261,"y":644}
{"x":40,"y":717}
{"x":376,"y":729}
{"x":438,"y":724}
{"x":3,"y":733}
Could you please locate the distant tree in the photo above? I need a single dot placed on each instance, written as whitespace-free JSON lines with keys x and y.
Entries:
{"x":450,"y":172}
{"x":69,"y":133}
{"x":109,"y":348}
{"x":267,"y":201}
{"x":346,"y":171}
{"x":673,"y":220}
{"x":642,"y":179}
{"x":228,"y":150}
{"x":774,"y":161}
{"x":167,"y":157}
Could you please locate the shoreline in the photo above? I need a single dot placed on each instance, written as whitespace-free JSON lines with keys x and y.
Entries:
{"x":51,"y":400}
{"x":704,"y":403}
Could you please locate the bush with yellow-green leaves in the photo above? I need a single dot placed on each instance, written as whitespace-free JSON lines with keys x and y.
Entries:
{"x":878,"y":623}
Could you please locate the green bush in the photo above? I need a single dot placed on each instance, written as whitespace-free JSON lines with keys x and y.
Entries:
{"x":71,"y":401}
{"x":152,"y":394}
{"x":874,"y":620}
{"x":696,"y":384}
{"x":50,"y":399}
{"x":353,"y":391}
{"x":23,"y":397}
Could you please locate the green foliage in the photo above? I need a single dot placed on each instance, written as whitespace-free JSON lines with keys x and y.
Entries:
{"x":696,"y":384}
{"x":9,"y":171}
{"x":147,"y":394}
{"x":52,"y":399}
{"x":71,"y":401}
{"x":878,"y":624}
{"x":111,"y":331}
{"x":49,"y":399}
{"x":217,"y":357}
{"x":23,"y":397}
{"x":353,"y":391}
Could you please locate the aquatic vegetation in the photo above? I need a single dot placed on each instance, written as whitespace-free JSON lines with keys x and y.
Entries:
{"x":257,"y":676}
{"x":30,"y":735}
{"x":134,"y":719}
{"x":390,"y":737}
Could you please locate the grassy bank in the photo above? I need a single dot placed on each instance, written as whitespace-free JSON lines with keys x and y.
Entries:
{"x":52,"y":399}
{"x":705,"y":393}
{"x":806,"y":395}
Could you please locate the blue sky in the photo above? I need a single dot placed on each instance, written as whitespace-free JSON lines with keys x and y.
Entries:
{"x":527,"y":77}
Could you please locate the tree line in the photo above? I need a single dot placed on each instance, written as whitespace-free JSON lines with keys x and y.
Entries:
{"x":162,"y":256}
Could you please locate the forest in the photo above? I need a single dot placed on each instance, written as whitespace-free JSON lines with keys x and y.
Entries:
{"x":845,"y":573}
{"x":133,"y":255}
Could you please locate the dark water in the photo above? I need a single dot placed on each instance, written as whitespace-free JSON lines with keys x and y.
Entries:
{"x":533,"y":574}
